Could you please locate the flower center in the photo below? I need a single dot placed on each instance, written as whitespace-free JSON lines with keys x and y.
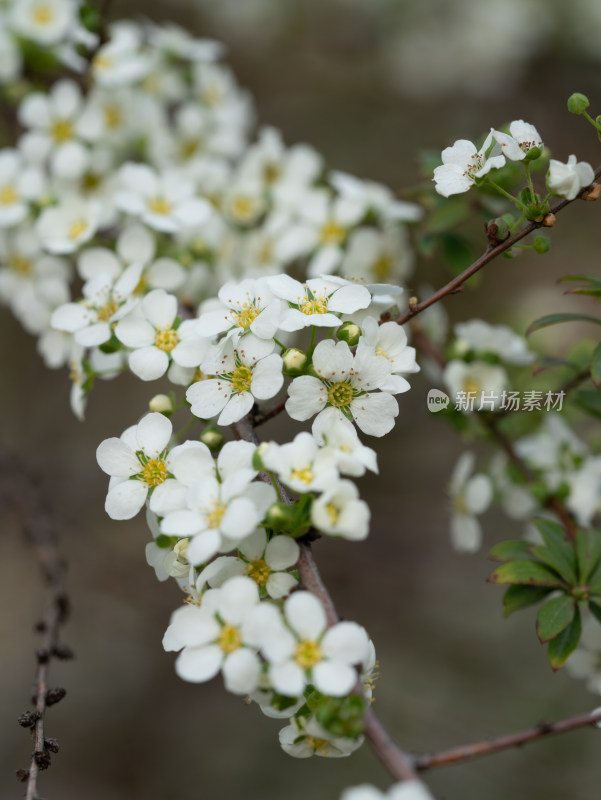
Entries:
{"x":471,"y":386}
{"x":259,"y":571}
{"x":340,"y":395}
{"x":166,"y":339}
{"x":229,"y":639}
{"x":475,"y":166}
{"x":20,"y":265}
{"x":307,"y":654}
{"x":246,"y":317}
{"x":101,"y":62}
{"x":271,"y":172}
{"x":158,"y":205}
{"x":61,"y":130}
{"x":380,"y":352}
{"x":303,"y":474}
{"x":382,"y":268}
{"x":320,"y":746}
{"x":42,"y":14}
{"x":318,"y":305}
{"x":77,"y":228}
{"x":154,"y":472}
{"x":243,"y":208}
{"x":8,"y":195}
{"x":106,"y":311}
{"x":215,"y":516}
{"x":241,"y":379}
{"x":113,"y":117}
{"x":460,"y":504}
{"x":332,"y":233}
{"x":333,"y":513}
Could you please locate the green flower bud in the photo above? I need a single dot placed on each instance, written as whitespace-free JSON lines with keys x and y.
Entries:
{"x":578,"y":103}
{"x":349,"y":332}
{"x":213,"y":438}
{"x":497,"y":230}
{"x":295,"y":361}
{"x":542,"y":244}
{"x":161,"y":403}
{"x":280,"y":516}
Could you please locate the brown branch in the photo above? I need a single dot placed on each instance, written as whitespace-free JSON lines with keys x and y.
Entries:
{"x":456,"y":755}
{"x":261,"y":417}
{"x":456,"y":283}
{"x":18,"y":490}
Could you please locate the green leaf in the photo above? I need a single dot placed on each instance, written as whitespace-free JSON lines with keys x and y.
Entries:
{"x":510,"y":550}
{"x":518,"y":597}
{"x":554,"y":617}
{"x":557,"y":560}
{"x":588,"y":549}
{"x":457,"y":252}
{"x":596,"y":366}
{"x":566,"y":642}
{"x":447,"y":216}
{"x":589,"y":400}
{"x":525,"y":572}
{"x":554,"y":319}
{"x":595,"y":610}
{"x":594,"y":581}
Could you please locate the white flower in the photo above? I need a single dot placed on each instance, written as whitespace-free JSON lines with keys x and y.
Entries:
{"x":104,"y":302}
{"x":219,"y":513}
{"x":339,"y":512}
{"x":168,"y":562}
{"x":137,"y":463}
{"x":376,"y":197}
{"x":303,"y":651}
{"x":11,"y":58}
{"x":481,"y":337}
{"x":390,"y":341}
{"x":66,"y":226}
{"x":473,"y":384}
{"x":470,"y":495}
{"x":44,"y":21}
{"x":53,"y":122}
{"x":408,"y":790}
{"x":301,"y":464}
{"x":250,"y":370}
{"x":265,"y":562}
{"x":317,"y":302}
{"x":214,"y":637}
{"x":19,"y":185}
{"x":151,"y":331}
{"x":304,"y":738}
{"x":119,"y":62}
{"x":245,"y":306}
{"x":522,"y":138}
{"x":339,"y":439}
{"x":378,"y":256}
{"x":567,"y":180}
{"x":348,"y":384}
{"x":165,"y":202}
{"x":462,"y":164}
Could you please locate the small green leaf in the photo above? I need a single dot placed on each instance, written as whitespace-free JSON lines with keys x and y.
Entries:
{"x":518,"y":597}
{"x":447,"y":216}
{"x":566,"y":642}
{"x":595,"y":610}
{"x":510,"y":550}
{"x":561,"y":546}
{"x":525,"y":572}
{"x":589,"y":400}
{"x":554,"y":617}
{"x":554,"y":319}
{"x":588,"y":548}
{"x":557,"y":561}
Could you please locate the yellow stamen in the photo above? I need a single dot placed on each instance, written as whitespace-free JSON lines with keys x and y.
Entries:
{"x":77,"y":228}
{"x":61,"y":130}
{"x":340,"y":394}
{"x":303,"y":474}
{"x":154,"y":472}
{"x":241,"y":379}
{"x":158,"y":205}
{"x":307,"y":654}
{"x":332,"y":233}
{"x":259,"y":571}
{"x":229,"y":639}
{"x":8,"y":195}
{"x":318,"y":305}
{"x":166,"y":339}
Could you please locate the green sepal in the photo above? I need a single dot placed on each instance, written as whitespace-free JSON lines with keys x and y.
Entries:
{"x":529,"y":573}
{"x":588,"y":550}
{"x":518,"y":597}
{"x":511,"y":550}
{"x":166,"y":542}
{"x":554,"y":617}
{"x":112,"y":346}
{"x":561,"y":647}
{"x":281,"y":702}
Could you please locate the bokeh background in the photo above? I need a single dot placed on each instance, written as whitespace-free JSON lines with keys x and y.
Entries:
{"x":368,"y":84}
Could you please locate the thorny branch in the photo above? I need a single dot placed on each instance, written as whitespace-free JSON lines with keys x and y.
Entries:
{"x":19,"y":491}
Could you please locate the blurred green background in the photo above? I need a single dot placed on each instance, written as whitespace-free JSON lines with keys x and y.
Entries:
{"x":368,"y":84}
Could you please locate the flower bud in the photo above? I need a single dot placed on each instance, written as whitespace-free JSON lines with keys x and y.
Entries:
{"x":161,"y":403}
{"x":542,"y":244}
{"x":593,"y":192}
{"x":549,"y":220}
{"x":280,"y":516}
{"x":295,"y":361}
{"x":213,"y":438}
{"x":497,"y":230}
{"x":578,"y":103}
{"x":349,"y":332}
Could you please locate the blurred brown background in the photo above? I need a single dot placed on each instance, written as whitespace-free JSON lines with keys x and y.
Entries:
{"x":452,"y":669}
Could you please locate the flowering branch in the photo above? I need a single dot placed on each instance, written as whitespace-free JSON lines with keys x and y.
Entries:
{"x":456,"y":283}
{"x":456,"y":755}
{"x":19,"y":490}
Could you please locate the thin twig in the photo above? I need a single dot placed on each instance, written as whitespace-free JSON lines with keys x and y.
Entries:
{"x":261,"y":417}
{"x":456,"y":283}
{"x":19,"y":490}
{"x":456,"y":755}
